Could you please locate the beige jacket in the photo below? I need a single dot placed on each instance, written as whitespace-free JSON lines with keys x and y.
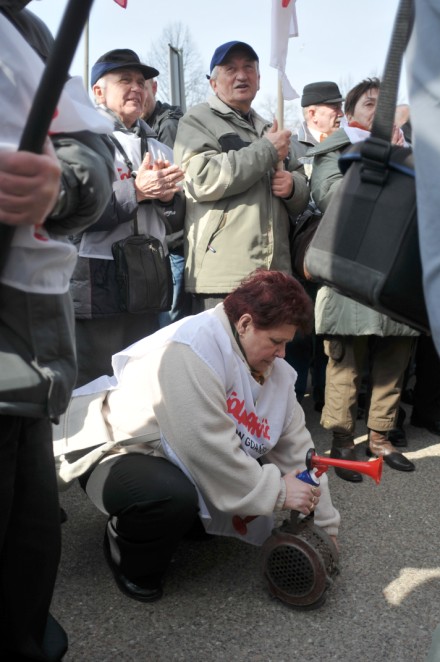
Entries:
{"x":233,"y":222}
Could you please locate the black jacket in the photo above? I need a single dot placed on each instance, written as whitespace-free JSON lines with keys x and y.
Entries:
{"x":37,"y":353}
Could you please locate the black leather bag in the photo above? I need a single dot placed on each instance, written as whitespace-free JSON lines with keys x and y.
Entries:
{"x":367,"y":246}
{"x":301,"y":236}
{"x":143,"y":274}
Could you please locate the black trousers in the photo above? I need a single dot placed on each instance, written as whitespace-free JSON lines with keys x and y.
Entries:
{"x":98,"y":339}
{"x":426,"y":403}
{"x":30,"y":541}
{"x":151,"y":505}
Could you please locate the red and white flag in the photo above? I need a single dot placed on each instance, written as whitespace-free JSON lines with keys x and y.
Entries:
{"x":122,"y":3}
{"x":284,"y":25}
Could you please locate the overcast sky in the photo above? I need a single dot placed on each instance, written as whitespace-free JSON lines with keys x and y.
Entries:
{"x":343,"y":41}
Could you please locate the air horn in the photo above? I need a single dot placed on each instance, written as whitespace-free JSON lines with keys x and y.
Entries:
{"x":300,"y":560}
{"x":321,"y":465}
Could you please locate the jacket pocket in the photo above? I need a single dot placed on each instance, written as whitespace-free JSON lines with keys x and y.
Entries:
{"x":206,"y":243}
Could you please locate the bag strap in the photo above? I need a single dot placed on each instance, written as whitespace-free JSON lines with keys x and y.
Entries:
{"x":386,"y":105}
{"x":376,"y":150}
{"x":129,"y":165}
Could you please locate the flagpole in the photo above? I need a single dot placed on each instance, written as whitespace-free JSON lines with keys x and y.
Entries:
{"x":86,"y":55}
{"x":280,"y":116}
{"x":280,"y":106}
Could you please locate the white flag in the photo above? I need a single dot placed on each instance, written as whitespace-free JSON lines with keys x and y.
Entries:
{"x":38,"y":263}
{"x":284,"y":25}
{"x":20,"y":72}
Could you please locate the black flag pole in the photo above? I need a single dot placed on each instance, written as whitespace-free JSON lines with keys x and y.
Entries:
{"x":48,"y":93}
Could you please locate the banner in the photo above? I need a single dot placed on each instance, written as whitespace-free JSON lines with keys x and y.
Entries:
{"x":283,"y":26}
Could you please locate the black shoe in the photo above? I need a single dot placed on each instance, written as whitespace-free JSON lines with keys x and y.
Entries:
{"x":150,"y":593}
{"x":397,"y":436}
{"x":395,"y":461}
{"x":431,"y":426}
{"x":346,"y":454}
{"x":63,"y":515}
{"x":380,"y":446}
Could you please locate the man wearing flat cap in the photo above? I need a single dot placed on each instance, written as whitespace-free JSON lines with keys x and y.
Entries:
{"x":238,"y":202}
{"x":146,"y":190}
{"x":322,"y":108}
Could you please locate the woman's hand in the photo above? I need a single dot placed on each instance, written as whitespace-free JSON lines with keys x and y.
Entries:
{"x":300,"y":496}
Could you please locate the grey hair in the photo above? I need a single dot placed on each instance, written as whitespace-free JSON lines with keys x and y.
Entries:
{"x":102,"y":83}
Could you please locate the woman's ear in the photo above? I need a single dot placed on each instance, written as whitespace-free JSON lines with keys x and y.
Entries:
{"x":243,"y":323}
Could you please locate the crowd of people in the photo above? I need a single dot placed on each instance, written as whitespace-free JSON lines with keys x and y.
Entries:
{"x":199,"y":419}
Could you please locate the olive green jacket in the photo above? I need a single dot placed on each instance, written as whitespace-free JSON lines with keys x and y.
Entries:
{"x":233,"y":222}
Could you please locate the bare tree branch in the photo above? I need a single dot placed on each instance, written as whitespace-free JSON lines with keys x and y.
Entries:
{"x":196,"y":84}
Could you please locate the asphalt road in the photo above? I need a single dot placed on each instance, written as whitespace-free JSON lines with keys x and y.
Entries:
{"x":384,"y":605}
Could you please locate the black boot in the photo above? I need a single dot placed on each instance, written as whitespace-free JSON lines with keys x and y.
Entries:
{"x":380,"y":446}
{"x":343,"y":448}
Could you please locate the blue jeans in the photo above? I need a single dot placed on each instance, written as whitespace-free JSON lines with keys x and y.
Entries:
{"x":181,"y":306}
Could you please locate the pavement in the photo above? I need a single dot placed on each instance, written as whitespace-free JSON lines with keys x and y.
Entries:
{"x":383,"y":606}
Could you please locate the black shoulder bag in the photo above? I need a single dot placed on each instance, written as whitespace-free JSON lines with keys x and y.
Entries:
{"x":366,"y":246}
{"x":143,"y":271}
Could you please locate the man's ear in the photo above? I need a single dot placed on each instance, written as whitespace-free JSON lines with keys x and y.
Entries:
{"x":98,"y":93}
{"x":311,"y":113}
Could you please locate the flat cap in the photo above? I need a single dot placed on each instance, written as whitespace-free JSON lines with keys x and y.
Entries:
{"x":322,"y":92}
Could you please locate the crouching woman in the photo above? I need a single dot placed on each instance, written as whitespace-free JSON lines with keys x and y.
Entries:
{"x":214,"y":393}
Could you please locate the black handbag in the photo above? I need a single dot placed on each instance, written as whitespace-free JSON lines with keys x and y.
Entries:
{"x":366,"y":246}
{"x":143,"y":274}
{"x":143,"y":271}
{"x":301,"y":236}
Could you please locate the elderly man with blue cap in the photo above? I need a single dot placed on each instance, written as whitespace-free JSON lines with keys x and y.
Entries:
{"x":146,"y":200}
{"x":238,"y":199}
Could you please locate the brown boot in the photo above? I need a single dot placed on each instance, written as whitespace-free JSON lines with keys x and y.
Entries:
{"x":343,"y":448}
{"x":380,"y":446}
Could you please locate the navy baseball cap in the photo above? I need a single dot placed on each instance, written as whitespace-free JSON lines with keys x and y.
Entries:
{"x":120,"y":58}
{"x":221,"y":53}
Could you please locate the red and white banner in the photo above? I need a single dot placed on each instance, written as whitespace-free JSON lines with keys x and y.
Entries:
{"x":283,"y":26}
{"x":122,"y":3}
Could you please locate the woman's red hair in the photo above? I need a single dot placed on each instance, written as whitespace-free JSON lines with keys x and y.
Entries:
{"x":272,"y":298}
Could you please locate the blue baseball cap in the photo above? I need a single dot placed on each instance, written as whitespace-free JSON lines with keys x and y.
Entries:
{"x":120,"y":58}
{"x":223,"y":51}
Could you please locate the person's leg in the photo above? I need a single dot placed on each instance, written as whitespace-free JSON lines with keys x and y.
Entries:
{"x":98,"y":339}
{"x":344,"y":370}
{"x":299,"y":356}
{"x":345,"y":358}
{"x":426,"y":394}
{"x":181,"y":306}
{"x":319,"y":366}
{"x":30,"y":541}
{"x":389,"y":359}
{"x":151,"y":505}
